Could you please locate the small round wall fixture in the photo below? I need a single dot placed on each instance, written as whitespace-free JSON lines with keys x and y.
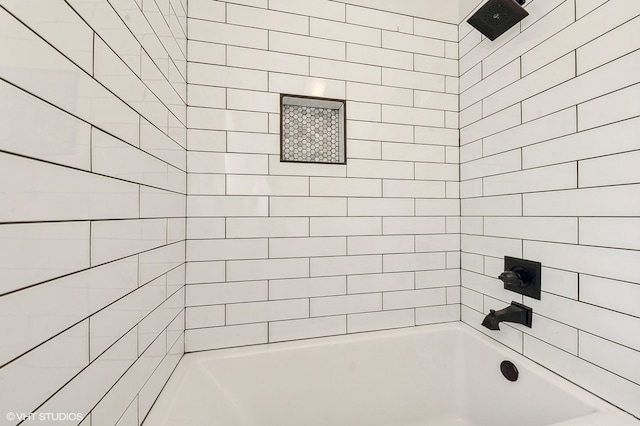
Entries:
{"x":509,"y":371}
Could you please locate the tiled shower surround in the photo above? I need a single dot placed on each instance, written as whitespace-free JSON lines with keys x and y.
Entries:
{"x":120,"y":183}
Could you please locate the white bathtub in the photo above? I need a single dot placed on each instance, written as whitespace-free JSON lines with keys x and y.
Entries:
{"x":440,"y":375}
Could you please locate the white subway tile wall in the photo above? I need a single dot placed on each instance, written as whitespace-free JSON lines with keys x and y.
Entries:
{"x":281,"y":251}
{"x":549,"y":151}
{"x":93,"y":218}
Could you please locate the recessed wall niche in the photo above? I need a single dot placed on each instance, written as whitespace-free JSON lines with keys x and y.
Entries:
{"x":312,"y":130}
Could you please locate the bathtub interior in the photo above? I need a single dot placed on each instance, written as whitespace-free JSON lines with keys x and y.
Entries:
{"x":440,"y":376}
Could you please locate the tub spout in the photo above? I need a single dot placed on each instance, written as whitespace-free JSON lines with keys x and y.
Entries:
{"x":516,"y":312}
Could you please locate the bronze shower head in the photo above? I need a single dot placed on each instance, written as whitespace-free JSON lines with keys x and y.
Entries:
{"x":497,"y":16}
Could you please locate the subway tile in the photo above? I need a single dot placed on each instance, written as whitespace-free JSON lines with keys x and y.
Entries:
{"x":82,"y":393}
{"x":616,"y":106}
{"x":157,"y":143}
{"x":345,"y":32}
{"x":435,"y":207}
{"x":37,"y":252}
{"x":205,"y":272}
{"x":103,"y":110}
{"x":380,"y":244}
{"x":577,"y":34}
{"x":472,"y":299}
{"x":207,"y":140}
{"x":71,"y":35}
{"x":357,"y":323}
{"x":470,"y":78}
{"x":114,"y":321}
{"x":325,"y":186}
{"x":307,"y":287}
{"x":435,"y":29}
{"x":364,"y":111}
{"x":345,"y":265}
{"x":413,"y":225}
{"x":437,"y":136}
{"x":413,"y":262}
{"x":265,"y":60}
{"x":413,"y":189}
{"x":432,"y":243}
{"x":160,"y":203}
{"x":373,"y":283}
{"x":207,"y":9}
{"x":437,"y":171}
{"x":339,"y":305}
{"x":275,"y":310}
{"x":221,"y":119}
{"x":438,"y":278}
{"x":380,"y":169}
{"x":501,"y":79}
{"x":267,"y":185}
{"x":152,"y":388}
{"x":226,"y":249}
{"x":379,"y":19}
{"x":551,"y":75}
{"x":494,"y":295}
{"x":378,"y":56}
{"x":267,"y":227}
{"x":225,"y":337}
{"x":609,"y":46}
{"x":38,"y":191}
{"x":451,"y":50}
{"x":562,"y":176}
{"x":223,"y":293}
{"x":59,"y":137}
{"x":600,"y":81}
{"x":492,"y":165}
{"x":437,"y":314}
{"x":621,"y":137}
{"x":252,"y":101}
{"x":443,"y":101}
{"x":307,"y":86}
{"x":222,"y":76}
{"x":308,"y":206}
{"x":613,"y":388}
{"x":472,"y":151}
{"x":206,"y":52}
{"x":491,"y":246}
{"x":549,"y":127}
{"x":317,"y":8}
{"x":610,"y":232}
{"x":472,"y":262}
{"x":364,"y":149}
{"x":336,"y":226}
{"x":379,"y":131}
{"x":276,"y":167}
{"x":206,"y":184}
{"x":610,"y":294}
{"x":121,"y":238}
{"x":341,"y":70}
{"x":610,"y":170}
{"x":435,"y":65}
{"x":256,"y":143}
{"x":152,"y":327}
{"x":413,"y":298}
{"x":157,"y":262}
{"x":505,"y":119}
{"x":214,"y":162}
{"x":502,"y":205}
{"x":47,"y":368}
{"x":562,"y":283}
{"x":604,"y":262}
{"x":585,"y":7}
{"x":413,"y":80}
{"x":610,"y":356}
{"x":564,"y":230}
{"x":226,"y":34}
{"x":412,"y":116}
{"x":220,"y":206}
{"x":379,"y":94}
{"x":411,"y":43}
{"x":307,"y":46}
{"x":243,"y":270}
{"x":58,"y":304}
{"x":612,"y":201}
{"x":307,"y":328}
{"x":307,"y":247}
{"x":267,"y":19}
{"x":381,"y":207}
